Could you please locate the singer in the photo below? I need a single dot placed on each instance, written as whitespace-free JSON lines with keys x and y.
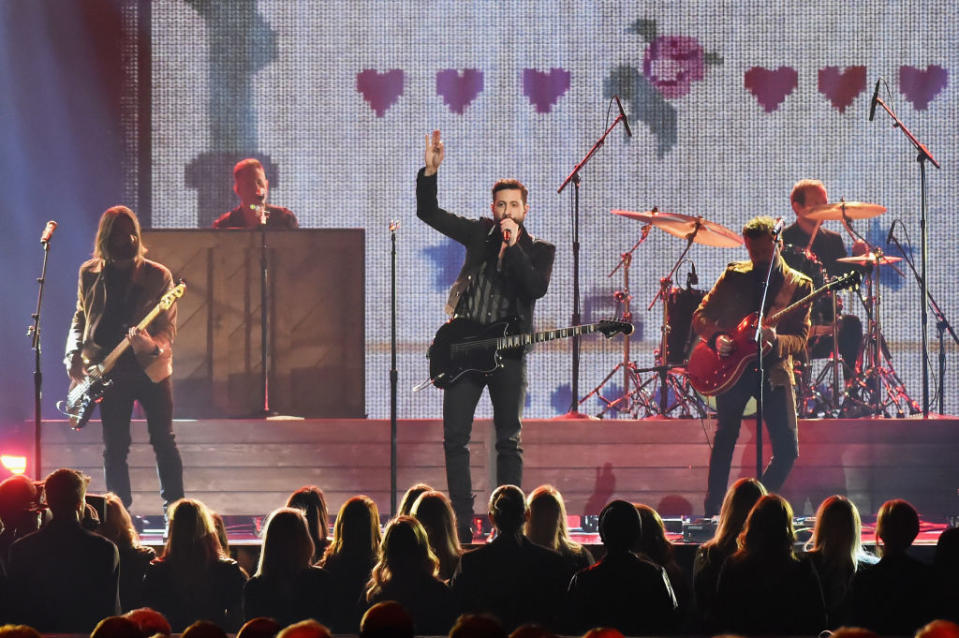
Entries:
{"x":252,"y":187}
{"x":735,"y":295}
{"x":116,"y":289}
{"x":505,"y":271}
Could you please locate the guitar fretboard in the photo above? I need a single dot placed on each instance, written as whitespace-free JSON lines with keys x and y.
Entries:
{"x":517,"y":341}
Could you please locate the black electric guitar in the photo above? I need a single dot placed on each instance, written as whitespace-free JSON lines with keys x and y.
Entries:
{"x":461,"y":345}
{"x":85,"y":394}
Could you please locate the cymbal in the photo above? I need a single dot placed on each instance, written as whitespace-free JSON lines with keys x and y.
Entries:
{"x":684,"y":226}
{"x":854,"y":210}
{"x":870,"y":258}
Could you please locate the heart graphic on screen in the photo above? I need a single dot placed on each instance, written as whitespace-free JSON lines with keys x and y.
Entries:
{"x":545,"y":88}
{"x":921,"y":87}
{"x":842,"y":87}
{"x":458,"y":90}
{"x":771,"y":86}
{"x":380,"y":90}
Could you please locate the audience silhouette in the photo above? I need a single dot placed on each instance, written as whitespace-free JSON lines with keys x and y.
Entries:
{"x":435,"y":512}
{"x":311,"y":501}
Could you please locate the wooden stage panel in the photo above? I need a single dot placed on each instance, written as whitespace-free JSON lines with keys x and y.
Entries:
{"x":244,"y":467}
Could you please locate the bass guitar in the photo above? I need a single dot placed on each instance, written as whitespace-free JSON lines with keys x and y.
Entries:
{"x":84,"y":395}
{"x":711,"y":374}
{"x":462,"y":345}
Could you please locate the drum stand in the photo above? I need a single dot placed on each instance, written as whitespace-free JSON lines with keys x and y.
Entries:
{"x":816,"y":399}
{"x":877,"y":387}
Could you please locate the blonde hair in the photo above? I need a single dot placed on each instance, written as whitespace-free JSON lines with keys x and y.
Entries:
{"x":769,"y":529}
{"x":118,"y":526}
{"x":405,"y":551}
{"x":837,"y":534}
{"x":739,"y":500}
{"x":101,"y":245}
{"x":435,"y":512}
{"x":287,"y":546}
{"x":357,"y":528}
{"x":192,"y":544}
{"x":547,"y":524}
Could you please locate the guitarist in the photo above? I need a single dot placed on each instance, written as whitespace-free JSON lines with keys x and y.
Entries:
{"x":116,"y":289}
{"x":505,"y":271}
{"x":736,"y":294}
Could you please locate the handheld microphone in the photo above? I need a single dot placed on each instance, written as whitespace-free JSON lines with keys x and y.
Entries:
{"x":891,"y":228}
{"x":875,"y":100}
{"x":623,"y":114}
{"x":48,"y":232}
{"x":506,"y":236}
{"x":778,"y":228}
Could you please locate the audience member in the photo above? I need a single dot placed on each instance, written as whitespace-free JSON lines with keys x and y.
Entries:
{"x":66,"y":577}
{"x":406,"y":572}
{"x":193,"y":578}
{"x":19,"y":512}
{"x":603,"y":632}
{"x":311,"y":501}
{"x":939,"y":629}
{"x":116,"y":627}
{"x":653,"y":545}
{"x":849,"y":632}
{"x":836,"y":553}
{"x":259,"y":628}
{"x":435,"y":512}
{"x":350,"y":558}
{"x":204,"y":629}
{"x":764,"y":588}
{"x":19,"y":631}
{"x":622,"y":590}
{"x":511,"y":577}
{"x":305,"y":629}
{"x":946,"y":566}
{"x":406,"y":503}
{"x":134,"y":557}
{"x":477,"y":626}
{"x":895,"y":596}
{"x":150,"y":621}
{"x":547,"y":526}
{"x":711,"y":555}
{"x":286,"y":586}
{"x":387,"y":619}
{"x":532,"y":630}
{"x":219,"y":526}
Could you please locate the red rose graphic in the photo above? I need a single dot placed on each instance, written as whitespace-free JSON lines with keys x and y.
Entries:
{"x":673,"y":62}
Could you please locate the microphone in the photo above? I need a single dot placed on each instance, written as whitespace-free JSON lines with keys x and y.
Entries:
{"x":891,"y":228}
{"x":48,"y":232}
{"x":691,"y":278}
{"x":623,"y":114}
{"x":778,"y":228}
{"x":506,"y":236}
{"x":875,"y":100}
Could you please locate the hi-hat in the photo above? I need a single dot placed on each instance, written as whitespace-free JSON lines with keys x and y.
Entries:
{"x":870,"y":258}
{"x":853,"y":210}
{"x":686,"y":227}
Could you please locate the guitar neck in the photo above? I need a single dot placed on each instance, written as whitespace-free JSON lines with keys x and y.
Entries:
{"x":516,"y":341}
{"x":115,"y":354}
{"x":779,"y":315}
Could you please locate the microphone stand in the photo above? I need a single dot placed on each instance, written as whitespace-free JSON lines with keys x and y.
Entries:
{"x":394,"y":376}
{"x":760,"y":404}
{"x":575,"y":179}
{"x":942,"y":325}
{"x":33,"y":332}
{"x":923,"y":156}
{"x":266,"y":411}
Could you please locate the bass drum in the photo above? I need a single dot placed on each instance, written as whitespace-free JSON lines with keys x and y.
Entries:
{"x":680,"y":340}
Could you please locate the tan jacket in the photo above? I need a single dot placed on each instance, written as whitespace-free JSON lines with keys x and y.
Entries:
{"x":153,"y":280}
{"x":731,"y":299}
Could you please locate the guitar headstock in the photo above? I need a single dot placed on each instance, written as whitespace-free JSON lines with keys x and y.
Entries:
{"x":610,"y":328}
{"x":851,"y":280}
{"x":175,"y":292}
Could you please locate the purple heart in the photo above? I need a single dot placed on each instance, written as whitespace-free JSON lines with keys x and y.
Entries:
{"x":544,"y":89}
{"x":458,"y":90}
{"x":380,"y":90}
{"x":771,"y":86}
{"x":842,"y":88}
{"x":921,"y":87}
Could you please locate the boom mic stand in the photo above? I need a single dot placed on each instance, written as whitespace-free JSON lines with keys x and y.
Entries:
{"x":394,"y":375}
{"x":760,"y":403}
{"x":575,"y":179}
{"x":923,"y":156}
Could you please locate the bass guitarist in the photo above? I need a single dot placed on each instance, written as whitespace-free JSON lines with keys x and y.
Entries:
{"x":737,"y":294}
{"x":505,"y":271}
{"x":116,"y":289}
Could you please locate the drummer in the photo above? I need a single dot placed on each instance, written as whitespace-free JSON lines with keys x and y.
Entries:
{"x":827,"y":246}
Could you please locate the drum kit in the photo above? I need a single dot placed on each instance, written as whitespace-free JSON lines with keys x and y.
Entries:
{"x":867,"y":386}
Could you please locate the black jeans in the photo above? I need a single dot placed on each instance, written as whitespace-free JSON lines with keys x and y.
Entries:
{"x":507,"y":391}
{"x":115,"y":410}
{"x":779,"y":415}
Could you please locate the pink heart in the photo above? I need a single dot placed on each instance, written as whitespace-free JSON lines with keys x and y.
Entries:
{"x":544,"y":89}
{"x":921,"y":87}
{"x":771,"y":86}
{"x":458,"y":90}
{"x":842,"y":88}
{"x":380,"y":90}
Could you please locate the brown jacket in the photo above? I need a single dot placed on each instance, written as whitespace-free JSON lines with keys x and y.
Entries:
{"x":152,"y":280}
{"x":731,"y":299}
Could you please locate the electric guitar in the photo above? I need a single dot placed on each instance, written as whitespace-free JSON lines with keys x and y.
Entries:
{"x":462,"y":345}
{"x":711,"y":374}
{"x":83,"y":395}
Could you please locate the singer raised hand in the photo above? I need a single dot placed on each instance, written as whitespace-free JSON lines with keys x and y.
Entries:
{"x":435,"y":152}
